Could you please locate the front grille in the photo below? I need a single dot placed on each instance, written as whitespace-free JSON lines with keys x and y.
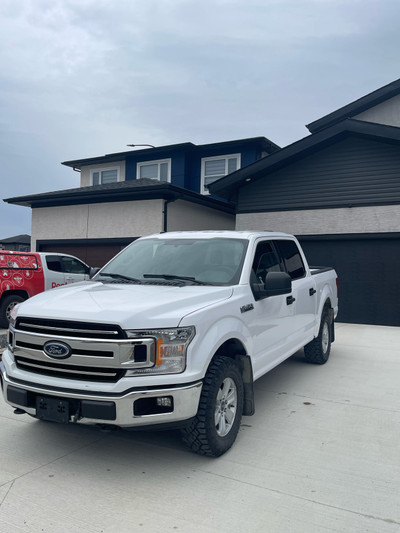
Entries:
{"x":74,"y":351}
{"x":69,"y":328}
{"x":59,"y":370}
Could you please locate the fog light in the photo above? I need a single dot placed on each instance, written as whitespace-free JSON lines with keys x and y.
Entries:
{"x":164,"y":401}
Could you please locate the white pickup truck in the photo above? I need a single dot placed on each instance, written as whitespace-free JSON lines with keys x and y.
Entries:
{"x":172,"y":332}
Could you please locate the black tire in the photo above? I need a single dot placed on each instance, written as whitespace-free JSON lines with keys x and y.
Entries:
{"x":215,"y":427}
{"x":6,"y":305}
{"x":318,"y":350}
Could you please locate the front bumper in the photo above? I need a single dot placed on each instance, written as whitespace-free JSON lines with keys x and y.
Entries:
{"x":133,"y":408}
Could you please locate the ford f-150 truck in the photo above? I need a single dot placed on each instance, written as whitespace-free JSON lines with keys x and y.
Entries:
{"x":173,"y":331}
{"x":24,"y":274}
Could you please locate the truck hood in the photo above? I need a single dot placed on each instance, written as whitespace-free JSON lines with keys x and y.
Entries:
{"x":130,"y":306}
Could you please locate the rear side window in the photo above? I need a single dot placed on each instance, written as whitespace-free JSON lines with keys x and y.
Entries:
{"x":291,"y":258}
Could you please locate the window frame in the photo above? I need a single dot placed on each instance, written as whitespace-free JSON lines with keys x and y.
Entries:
{"x":155,"y":162}
{"x":102,"y":169}
{"x":204,"y":160}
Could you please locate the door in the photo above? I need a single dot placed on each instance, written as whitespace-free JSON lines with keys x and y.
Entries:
{"x":368,"y":268}
{"x":304,"y":296}
{"x":271,"y":322}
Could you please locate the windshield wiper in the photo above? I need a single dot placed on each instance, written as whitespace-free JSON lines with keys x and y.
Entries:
{"x":175,"y":277}
{"x":120,"y":276}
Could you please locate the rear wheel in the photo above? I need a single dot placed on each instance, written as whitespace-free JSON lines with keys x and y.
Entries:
{"x":6,"y":306}
{"x":215,"y":427}
{"x":318,"y":350}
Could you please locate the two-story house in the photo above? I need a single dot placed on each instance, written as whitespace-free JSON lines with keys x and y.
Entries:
{"x":137,"y":192}
{"x":338,"y":191}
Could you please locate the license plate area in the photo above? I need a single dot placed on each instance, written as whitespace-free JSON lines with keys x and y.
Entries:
{"x":52,"y":409}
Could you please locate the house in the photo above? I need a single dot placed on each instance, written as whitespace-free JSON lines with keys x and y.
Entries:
{"x":338,"y":191}
{"x":19,"y":243}
{"x":125,"y":195}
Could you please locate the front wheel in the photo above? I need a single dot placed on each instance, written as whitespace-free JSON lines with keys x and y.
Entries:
{"x":215,"y":427}
{"x":318,"y":350}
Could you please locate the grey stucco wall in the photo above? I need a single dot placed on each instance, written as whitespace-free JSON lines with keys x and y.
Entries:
{"x":97,"y":221}
{"x":376,"y":219}
{"x":188,"y":216}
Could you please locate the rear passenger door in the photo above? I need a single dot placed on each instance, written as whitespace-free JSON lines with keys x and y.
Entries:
{"x":304,"y":297}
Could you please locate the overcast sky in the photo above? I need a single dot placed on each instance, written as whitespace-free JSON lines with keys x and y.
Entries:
{"x":82,"y":78}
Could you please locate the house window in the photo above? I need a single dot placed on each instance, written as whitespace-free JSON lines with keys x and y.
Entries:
{"x":155,"y":170}
{"x":102,"y":176}
{"x":214,"y":168}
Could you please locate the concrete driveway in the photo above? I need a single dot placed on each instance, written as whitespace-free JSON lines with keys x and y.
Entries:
{"x":321,"y":454}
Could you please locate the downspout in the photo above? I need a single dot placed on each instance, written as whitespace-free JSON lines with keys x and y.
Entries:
{"x":165,"y":211}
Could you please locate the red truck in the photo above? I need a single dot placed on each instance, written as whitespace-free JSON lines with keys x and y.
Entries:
{"x":24,"y":274}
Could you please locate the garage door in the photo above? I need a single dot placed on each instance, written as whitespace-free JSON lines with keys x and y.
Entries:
{"x":369,"y":276}
{"x":93,"y":255}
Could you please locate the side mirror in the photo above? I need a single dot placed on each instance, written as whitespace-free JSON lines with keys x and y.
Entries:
{"x":276,"y":283}
{"x":93,"y":271}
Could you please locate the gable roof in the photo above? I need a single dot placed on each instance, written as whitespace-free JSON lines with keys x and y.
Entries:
{"x":162,"y":151}
{"x":139,"y":189}
{"x":227,"y":187}
{"x":358,"y":106}
{"x":17,"y":239}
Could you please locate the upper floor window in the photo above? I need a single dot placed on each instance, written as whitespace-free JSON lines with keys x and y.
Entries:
{"x":214,"y":168}
{"x":102,"y":176}
{"x":155,"y":170}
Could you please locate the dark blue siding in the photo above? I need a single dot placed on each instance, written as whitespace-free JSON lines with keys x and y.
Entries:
{"x":186,"y":163}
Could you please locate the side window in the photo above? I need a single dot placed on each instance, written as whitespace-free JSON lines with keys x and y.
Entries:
{"x":73,"y":266}
{"x":265,"y":260}
{"x":291,"y":258}
{"x":53,"y":263}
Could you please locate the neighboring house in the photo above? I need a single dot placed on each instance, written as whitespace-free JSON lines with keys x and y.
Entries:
{"x":185,"y":165}
{"x":125,"y":195}
{"x":18,"y":243}
{"x":338,"y":190}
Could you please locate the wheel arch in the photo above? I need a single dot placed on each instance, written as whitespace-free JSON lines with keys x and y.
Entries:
{"x":234,"y":349}
{"x":14,"y":292}
{"x":327,"y":307}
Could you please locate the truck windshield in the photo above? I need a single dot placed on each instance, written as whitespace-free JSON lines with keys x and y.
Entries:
{"x":214,"y":261}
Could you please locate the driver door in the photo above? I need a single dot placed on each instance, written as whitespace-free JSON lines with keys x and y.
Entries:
{"x":271,"y":322}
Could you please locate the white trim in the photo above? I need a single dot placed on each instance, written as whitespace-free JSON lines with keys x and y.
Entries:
{"x":155,"y":162}
{"x":204,"y":160}
{"x":102,"y":169}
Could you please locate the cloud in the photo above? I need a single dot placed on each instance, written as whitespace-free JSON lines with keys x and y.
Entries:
{"x":81,"y":78}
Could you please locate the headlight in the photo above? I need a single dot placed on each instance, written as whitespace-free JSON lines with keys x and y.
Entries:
{"x":170,"y":349}
{"x":13,"y":314}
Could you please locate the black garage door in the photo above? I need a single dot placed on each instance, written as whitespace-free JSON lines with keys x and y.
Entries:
{"x":368,"y":269}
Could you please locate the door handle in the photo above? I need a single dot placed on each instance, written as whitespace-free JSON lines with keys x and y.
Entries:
{"x":312,"y":291}
{"x":290,"y":300}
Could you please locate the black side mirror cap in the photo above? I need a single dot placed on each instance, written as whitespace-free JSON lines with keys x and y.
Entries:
{"x":93,"y":271}
{"x":276,"y":283}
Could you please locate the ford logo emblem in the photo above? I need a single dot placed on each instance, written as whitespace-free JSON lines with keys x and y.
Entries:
{"x":57,"y":350}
